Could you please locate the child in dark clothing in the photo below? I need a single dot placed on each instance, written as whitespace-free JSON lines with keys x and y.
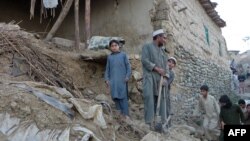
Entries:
{"x":230,"y":114}
{"x":241,"y":79}
{"x":247,"y":122}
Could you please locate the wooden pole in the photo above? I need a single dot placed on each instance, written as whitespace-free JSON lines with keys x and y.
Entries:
{"x":59,"y":20}
{"x":87,"y":19}
{"x":77,"y":35}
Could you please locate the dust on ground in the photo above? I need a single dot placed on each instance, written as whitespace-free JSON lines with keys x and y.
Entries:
{"x":24,"y":58}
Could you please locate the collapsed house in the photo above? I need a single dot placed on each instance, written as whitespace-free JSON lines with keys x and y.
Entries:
{"x":193,"y":27}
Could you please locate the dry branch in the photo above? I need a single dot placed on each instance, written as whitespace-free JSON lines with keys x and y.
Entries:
{"x":42,"y":66}
{"x":77,"y":34}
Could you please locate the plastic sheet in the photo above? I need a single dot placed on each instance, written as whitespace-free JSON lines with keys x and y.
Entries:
{"x":95,"y":112}
{"x":50,"y":3}
{"x":48,"y":99}
{"x":14,"y":130}
{"x":87,"y":132}
{"x":8,"y":124}
{"x":101,"y":42}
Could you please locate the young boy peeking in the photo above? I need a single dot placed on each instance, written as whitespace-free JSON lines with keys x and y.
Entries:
{"x":117,"y":74}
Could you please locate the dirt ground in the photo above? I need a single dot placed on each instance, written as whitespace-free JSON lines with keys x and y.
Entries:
{"x":46,"y":64}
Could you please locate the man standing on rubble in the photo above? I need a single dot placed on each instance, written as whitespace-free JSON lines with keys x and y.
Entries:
{"x":154,"y":66}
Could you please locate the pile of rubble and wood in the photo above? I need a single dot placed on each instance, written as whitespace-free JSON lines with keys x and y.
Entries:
{"x":50,"y":94}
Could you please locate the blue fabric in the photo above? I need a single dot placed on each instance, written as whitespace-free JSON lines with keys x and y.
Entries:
{"x":117,"y":71}
{"x":122,"y":105}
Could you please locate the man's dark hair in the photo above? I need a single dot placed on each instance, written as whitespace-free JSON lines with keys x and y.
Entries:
{"x":225,"y":99}
{"x":248,"y":104}
{"x":242,"y":101}
{"x":114,"y":41}
{"x":204,"y":87}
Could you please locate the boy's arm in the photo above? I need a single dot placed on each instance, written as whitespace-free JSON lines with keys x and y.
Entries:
{"x":217,"y":107}
{"x":242,"y":117}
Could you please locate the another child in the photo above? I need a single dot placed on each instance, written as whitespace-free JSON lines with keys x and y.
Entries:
{"x":230,"y":114}
{"x":210,"y":107}
{"x":241,"y":78}
{"x":247,"y":121}
{"x":242,"y":104}
{"x":171,"y":64}
{"x":117,"y":74}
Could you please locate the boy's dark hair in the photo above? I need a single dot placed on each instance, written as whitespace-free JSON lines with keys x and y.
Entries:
{"x":204,"y":87}
{"x":248,"y":104}
{"x":242,"y":101}
{"x":225,"y":99}
{"x":114,"y":41}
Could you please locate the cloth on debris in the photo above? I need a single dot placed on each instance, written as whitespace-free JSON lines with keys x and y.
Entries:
{"x":50,"y":3}
{"x":88,"y":133}
{"x":16,"y":130}
{"x":100,"y":42}
{"x":49,"y":99}
{"x":88,"y":112}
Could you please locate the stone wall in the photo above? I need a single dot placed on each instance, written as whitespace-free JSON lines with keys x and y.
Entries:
{"x":200,"y":61}
{"x":191,"y":72}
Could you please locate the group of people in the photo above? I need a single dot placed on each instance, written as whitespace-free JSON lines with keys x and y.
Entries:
{"x":155,"y":64}
{"x":239,"y":77}
{"x":217,"y":114}
{"x":158,"y":75}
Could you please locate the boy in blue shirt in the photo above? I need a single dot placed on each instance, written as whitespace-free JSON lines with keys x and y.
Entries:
{"x":117,"y":74}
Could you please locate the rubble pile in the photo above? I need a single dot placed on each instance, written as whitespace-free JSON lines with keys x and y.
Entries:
{"x":50,"y":94}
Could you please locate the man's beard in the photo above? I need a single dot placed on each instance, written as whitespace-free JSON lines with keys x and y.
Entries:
{"x":160,"y":44}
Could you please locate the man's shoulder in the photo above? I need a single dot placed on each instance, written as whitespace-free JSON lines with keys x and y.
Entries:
{"x":146,"y":45}
{"x":211,"y":97}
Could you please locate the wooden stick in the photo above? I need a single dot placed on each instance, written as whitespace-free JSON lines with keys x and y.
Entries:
{"x":32,"y":8}
{"x":87,"y":20}
{"x":35,"y":68}
{"x":77,"y":35}
{"x":59,"y":20}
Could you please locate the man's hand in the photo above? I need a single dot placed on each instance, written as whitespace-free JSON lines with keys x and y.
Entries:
{"x":126,"y":80}
{"x":107,"y":83}
{"x":222,"y":125}
{"x":160,"y":71}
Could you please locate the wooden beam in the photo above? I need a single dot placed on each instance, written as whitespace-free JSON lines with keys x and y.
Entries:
{"x":77,"y":34}
{"x":32,"y":8}
{"x":87,"y":20}
{"x":59,"y":20}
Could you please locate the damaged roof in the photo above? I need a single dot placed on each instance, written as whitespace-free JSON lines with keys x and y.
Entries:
{"x":209,"y":7}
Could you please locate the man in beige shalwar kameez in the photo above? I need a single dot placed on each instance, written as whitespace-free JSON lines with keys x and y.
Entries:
{"x":211,"y":110}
